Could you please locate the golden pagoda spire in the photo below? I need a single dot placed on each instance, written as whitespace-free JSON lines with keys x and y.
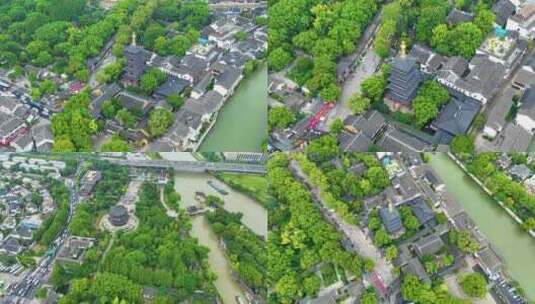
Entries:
{"x":403,"y":49}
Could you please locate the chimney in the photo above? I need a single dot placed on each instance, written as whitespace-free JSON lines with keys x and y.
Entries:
{"x":134,"y":38}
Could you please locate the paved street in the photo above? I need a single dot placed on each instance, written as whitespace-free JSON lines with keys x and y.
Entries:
{"x":369,"y":63}
{"x":357,"y":237}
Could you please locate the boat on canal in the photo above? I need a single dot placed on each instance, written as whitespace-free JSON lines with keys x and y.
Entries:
{"x":217,"y":188}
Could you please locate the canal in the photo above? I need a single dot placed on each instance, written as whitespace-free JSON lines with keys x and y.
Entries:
{"x":254,"y":217}
{"x":515,"y":246}
{"x":242,"y":122}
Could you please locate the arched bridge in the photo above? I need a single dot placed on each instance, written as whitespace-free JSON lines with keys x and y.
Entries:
{"x":192,"y":166}
{"x":238,"y":5}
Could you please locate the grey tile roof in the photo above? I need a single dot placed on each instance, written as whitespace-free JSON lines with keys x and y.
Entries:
{"x":528,"y":103}
{"x":520,"y":172}
{"x":108,"y":92}
{"x":503,"y":9}
{"x":404,"y":79}
{"x":207,"y":104}
{"x":9,"y":103}
{"x":136,"y":57}
{"x":172,"y":85}
{"x":456,"y":116}
{"x":194,"y":66}
{"x":350,"y":142}
{"x":391,"y":219}
{"x":430,"y":244}
{"x":396,"y":140}
{"x":457,"y":16}
{"x":228,"y":77}
{"x":9,"y":124}
{"x":421,"y":210}
{"x":514,"y":138}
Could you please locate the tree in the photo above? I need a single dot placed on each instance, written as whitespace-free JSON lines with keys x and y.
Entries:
{"x":484,"y":18}
{"x":240,"y":36}
{"x":63,"y":144}
{"x":175,"y":100}
{"x":424,"y":109}
{"x":322,"y":149}
{"x":116,"y":144}
{"x":474,"y":285}
{"x":368,"y":297}
{"x":312,"y":284}
{"x":279,"y":58}
{"x":75,"y":122}
{"x":462,"y":144}
{"x":126,"y":118}
{"x":381,"y":238}
{"x":467,"y":37}
{"x":110,"y":72}
{"x":479,"y":121}
{"x":110,"y":108}
{"x":305,"y":40}
{"x":431,"y":14}
{"x":280,"y":117}
{"x":441,"y":38}
{"x":359,"y":104}
{"x":151,"y":79}
{"x":464,"y":241}
{"x":337,"y":126}
{"x":387,"y":29}
{"x":374,"y":87}
{"x":391,"y":252}
{"x":330,"y":93}
{"x":159,"y":121}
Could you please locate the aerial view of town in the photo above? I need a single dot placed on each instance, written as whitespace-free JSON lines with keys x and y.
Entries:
{"x":133,"y":75}
{"x":411,"y":76}
{"x":387,"y":227}
{"x":128,"y":228}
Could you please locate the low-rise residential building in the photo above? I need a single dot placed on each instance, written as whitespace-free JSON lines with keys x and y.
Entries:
{"x":479,"y":79}
{"x":88,"y":182}
{"x":520,"y":172}
{"x":227,"y":80}
{"x":526,"y":113}
{"x":360,"y":131}
{"x":523,"y":21}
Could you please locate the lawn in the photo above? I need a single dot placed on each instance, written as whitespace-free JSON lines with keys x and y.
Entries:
{"x":254,"y":185}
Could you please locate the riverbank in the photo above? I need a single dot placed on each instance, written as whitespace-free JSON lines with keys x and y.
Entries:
{"x":242,"y":122}
{"x":254,"y":217}
{"x":489,"y":193}
{"x":506,"y":237}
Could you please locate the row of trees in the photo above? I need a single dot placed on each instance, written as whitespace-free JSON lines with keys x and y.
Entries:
{"x":52,"y":225}
{"x":300,"y":239}
{"x":504,"y":189}
{"x":325,"y":31}
{"x":246,"y":250}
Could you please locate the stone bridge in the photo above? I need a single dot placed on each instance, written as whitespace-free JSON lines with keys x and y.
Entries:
{"x":240,"y":5}
{"x":192,"y":166}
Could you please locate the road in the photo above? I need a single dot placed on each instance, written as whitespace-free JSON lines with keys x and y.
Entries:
{"x":27,"y":287}
{"x":369,"y":64}
{"x":381,"y":277}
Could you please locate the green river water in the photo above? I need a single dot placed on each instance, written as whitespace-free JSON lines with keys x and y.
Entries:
{"x":515,"y":246}
{"x":242,"y":122}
